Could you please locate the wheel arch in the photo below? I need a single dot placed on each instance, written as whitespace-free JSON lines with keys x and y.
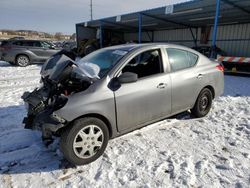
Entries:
{"x":211,"y":88}
{"x":98,"y":116}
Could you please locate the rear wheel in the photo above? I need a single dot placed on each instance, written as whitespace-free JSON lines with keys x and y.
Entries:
{"x":84,"y":141}
{"x":22,"y":60}
{"x":203,"y":103}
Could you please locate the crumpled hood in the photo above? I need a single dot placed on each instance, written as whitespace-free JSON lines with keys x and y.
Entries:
{"x":89,"y":69}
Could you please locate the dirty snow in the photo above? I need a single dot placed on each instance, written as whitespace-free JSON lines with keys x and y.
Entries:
{"x":178,"y":152}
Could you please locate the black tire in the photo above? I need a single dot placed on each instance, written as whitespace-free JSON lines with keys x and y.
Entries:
{"x":22,"y":60}
{"x":71,"y":134}
{"x":203,"y":103}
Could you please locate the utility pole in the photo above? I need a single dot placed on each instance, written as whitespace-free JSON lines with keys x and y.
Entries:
{"x":91,"y":10}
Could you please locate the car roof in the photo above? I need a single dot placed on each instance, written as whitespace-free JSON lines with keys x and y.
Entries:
{"x":24,"y":40}
{"x":134,"y":46}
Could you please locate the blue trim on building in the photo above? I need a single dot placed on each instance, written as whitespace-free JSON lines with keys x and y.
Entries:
{"x":139,"y":27}
{"x":101,"y":37}
{"x":216,"y":20}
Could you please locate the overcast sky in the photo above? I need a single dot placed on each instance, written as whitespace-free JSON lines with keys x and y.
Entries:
{"x":61,"y":15}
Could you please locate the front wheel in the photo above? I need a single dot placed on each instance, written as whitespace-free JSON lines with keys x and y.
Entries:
{"x":203,"y":103}
{"x":84,"y":141}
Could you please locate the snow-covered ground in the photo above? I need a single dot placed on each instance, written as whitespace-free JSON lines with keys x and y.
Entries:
{"x":178,"y":152}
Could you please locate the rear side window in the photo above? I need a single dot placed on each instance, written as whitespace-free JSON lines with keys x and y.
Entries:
{"x":18,"y":43}
{"x":28,"y":43}
{"x":37,"y":44}
{"x":181,"y":59}
{"x":193,"y":58}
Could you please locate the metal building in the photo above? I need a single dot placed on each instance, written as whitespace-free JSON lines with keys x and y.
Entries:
{"x":224,"y":23}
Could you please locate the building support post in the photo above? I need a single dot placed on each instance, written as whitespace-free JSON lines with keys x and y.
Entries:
{"x":194,"y":37}
{"x":101,"y":37}
{"x":213,"y":54}
{"x":139,"y":27}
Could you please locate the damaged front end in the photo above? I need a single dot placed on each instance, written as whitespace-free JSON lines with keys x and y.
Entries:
{"x":40,"y":107}
{"x":62,"y":79}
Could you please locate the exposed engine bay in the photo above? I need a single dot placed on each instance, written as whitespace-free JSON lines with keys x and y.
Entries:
{"x":61,"y":77}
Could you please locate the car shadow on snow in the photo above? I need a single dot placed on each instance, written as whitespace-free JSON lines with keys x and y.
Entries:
{"x":22,"y":150}
{"x":5,"y":64}
{"x":183,"y":116}
{"x":237,"y":85}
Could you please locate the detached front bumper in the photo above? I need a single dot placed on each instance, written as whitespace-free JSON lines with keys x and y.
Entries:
{"x":47,"y":122}
{"x":41,"y":116}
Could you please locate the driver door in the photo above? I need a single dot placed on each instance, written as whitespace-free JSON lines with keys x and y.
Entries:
{"x":147,"y":99}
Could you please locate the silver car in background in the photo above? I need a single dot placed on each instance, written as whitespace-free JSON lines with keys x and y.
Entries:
{"x":24,"y":52}
{"x":118,"y":89}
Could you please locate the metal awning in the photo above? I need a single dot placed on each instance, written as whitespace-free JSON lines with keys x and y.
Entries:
{"x":196,"y":13}
{"x":191,"y":14}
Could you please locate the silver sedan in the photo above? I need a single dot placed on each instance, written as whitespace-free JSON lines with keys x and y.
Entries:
{"x":118,"y":89}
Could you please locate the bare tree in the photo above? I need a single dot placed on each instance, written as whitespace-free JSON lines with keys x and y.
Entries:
{"x":59,"y":36}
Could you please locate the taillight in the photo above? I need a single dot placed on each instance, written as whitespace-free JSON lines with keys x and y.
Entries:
{"x":220,"y":67}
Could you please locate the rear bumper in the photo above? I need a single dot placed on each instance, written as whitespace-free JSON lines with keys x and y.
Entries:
{"x":6,"y":57}
{"x":219,"y":85}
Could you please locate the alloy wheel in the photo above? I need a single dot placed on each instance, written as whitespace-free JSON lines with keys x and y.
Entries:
{"x":88,"y":141}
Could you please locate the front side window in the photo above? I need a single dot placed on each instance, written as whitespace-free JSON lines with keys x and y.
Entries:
{"x":145,"y":64}
{"x":45,"y":44}
{"x":181,"y":59}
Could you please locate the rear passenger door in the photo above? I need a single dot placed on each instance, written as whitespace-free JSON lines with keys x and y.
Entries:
{"x":184,"y":78}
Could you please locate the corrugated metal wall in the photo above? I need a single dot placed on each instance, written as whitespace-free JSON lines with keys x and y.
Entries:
{"x":234,"y":39}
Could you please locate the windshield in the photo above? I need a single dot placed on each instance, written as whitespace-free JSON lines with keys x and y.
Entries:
{"x":104,"y":59}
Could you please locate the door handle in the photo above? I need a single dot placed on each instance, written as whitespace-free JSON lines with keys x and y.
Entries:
{"x":200,"y":76}
{"x":162,"y":86}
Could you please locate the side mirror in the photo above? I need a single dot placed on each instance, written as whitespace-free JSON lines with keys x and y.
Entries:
{"x":128,"y":77}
